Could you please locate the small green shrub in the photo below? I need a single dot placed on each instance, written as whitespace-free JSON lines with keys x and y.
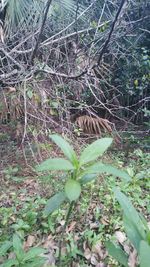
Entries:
{"x":79,"y":171}
{"x":32,"y":258}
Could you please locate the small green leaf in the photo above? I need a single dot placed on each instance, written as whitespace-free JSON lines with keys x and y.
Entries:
{"x":54,"y":202}
{"x":130,"y":171}
{"x":100,"y":167}
{"x":30,"y":94}
{"x":144,"y":256}
{"x":57,"y":164}
{"x":18,"y":248}
{"x":136,"y":82}
{"x":33,"y":253}
{"x":87,"y":178}
{"x":65,"y":147}
{"x":95,"y":150}
{"x":117,"y":253}
{"x":9,"y":263}
{"x":72,"y":189}
{"x":5,"y":247}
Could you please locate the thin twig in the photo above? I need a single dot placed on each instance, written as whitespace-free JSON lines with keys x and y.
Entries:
{"x":111,"y":31}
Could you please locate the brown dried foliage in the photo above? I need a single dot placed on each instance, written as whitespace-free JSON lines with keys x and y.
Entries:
{"x":92,"y":125}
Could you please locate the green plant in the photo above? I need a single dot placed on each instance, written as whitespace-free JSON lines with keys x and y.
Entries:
{"x":137,"y":231}
{"x":20,"y":226}
{"x":32,"y":258}
{"x":79,"y":172}
{"x":72,"y":249}
{"x":11,"y":173}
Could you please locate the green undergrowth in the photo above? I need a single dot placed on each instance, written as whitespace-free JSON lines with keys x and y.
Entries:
{"x":97,"y":216}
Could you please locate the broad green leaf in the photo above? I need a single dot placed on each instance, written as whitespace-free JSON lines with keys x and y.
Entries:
{"x":130,"y":213}
{"x":95,"y":150}
{"x":126,"y":205}
{"x":65,"y":147}
{"x":5,"y":247}
{"x":33,"y":253}
{"x":72,"y":189}
{"x":100,"y":167}
{"x":117,"y":253}
{"x":54,"y":202}
{"x":18,"y":248}
{"x":132,"y":232}
{"x":144,"y":223}
{"x":57,"y":164}
{"x":87,"y":178}
{"x":9,"y":263}
{"x":144,"y":256}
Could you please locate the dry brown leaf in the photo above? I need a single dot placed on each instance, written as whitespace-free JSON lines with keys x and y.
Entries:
{"x":11,"y":89}
{"x":94,"y":225}
{"x":94,"y":259}
{"x":127,"y":248}
{"x":101,"y":264}
{"x":121,"y":237}
{"x":30,"y":241}
{"x":62,"y":222}
{"x":87,"y":254}
{"x":85,"y":245}
{"x":71,"y":226}
{"x":132,"y":262}
{"x":105,"y":221}
{"x":50,"y":259}
{"x":92,"y":125}
{"x":99,"y":250}
{"x":49,"y":243}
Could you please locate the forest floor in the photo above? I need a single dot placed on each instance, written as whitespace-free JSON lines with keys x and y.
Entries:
{"x":97,"y":216}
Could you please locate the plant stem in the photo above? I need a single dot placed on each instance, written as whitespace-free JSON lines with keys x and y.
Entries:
{"x":63,"y":231}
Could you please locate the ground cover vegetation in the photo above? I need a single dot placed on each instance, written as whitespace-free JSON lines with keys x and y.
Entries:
{"x":74,"y":133}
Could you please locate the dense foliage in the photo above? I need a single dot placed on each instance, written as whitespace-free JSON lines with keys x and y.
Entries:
{"x":47,"y":44}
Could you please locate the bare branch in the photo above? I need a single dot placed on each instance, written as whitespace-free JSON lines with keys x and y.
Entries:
{"x":41,"y":30}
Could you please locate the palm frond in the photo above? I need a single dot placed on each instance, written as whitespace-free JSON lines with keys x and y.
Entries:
{"x":92,"y":125}
{"x":21,"y":14}
{"x":25,"y":15}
